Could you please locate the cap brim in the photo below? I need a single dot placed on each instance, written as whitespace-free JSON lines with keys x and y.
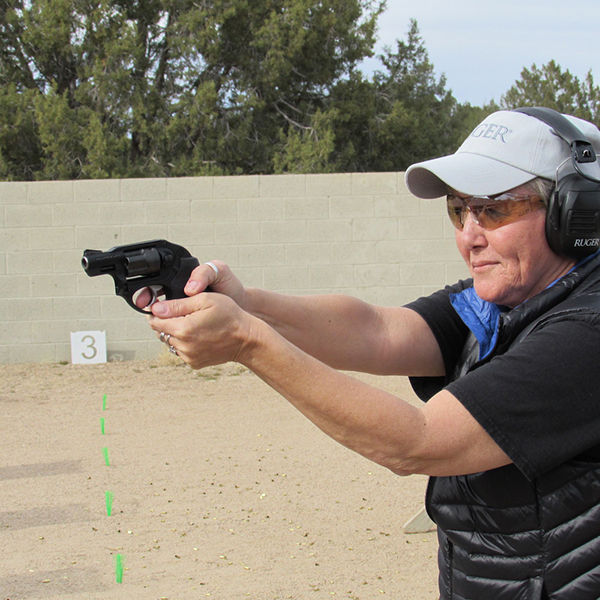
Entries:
{"x":463,"y":172}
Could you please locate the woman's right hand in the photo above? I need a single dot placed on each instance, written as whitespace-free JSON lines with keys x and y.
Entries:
{"x":221,"y":281}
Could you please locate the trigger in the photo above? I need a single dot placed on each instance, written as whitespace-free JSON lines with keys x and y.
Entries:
{"x":153,"y":289}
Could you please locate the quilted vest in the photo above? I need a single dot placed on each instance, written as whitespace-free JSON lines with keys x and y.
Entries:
{"x":503,"y":537}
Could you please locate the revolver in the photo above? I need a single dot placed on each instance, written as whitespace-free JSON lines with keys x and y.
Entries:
{"x":159,"y":266}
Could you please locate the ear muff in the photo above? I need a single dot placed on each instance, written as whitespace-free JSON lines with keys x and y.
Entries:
{"x":573,"y":215}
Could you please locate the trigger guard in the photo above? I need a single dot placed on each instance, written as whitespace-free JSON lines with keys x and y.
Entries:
{"x":154,"y":297}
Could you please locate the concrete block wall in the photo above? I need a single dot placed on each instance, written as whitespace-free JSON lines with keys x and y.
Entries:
{"x":361,"y":234}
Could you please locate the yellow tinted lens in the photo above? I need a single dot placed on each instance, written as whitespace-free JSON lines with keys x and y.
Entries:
{"x":455,"y":214}
{"x":491,"y":213}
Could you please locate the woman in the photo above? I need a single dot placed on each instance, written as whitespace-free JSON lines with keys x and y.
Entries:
{"x":510,"y":432}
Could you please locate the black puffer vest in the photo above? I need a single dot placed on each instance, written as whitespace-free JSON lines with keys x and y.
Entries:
{"x":503,"y":537}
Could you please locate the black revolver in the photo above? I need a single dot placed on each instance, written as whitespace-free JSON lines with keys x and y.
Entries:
{"x":159,"y":266}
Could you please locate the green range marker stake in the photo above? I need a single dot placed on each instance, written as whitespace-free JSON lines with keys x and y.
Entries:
{"x":102,"y":425}
{"x":104,"y":402}
{"x":105,"y":452}
{"x":119,"y":568}
{"x":109,"y":501}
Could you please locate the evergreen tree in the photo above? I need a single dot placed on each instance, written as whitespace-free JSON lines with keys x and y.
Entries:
{"x":552,"y":87}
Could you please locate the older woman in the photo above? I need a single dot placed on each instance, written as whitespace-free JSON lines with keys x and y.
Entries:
{"x":507,"y":362}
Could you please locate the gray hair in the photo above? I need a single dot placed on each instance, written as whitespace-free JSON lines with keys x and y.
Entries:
{"x":541,"y":187}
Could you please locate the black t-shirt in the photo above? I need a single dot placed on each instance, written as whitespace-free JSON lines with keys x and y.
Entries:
{"x":540,"y":401}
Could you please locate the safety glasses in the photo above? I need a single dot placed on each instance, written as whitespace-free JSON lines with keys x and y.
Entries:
{"x":491,"y":212}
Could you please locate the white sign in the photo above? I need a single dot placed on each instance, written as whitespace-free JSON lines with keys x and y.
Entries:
{"x":88,"y":347}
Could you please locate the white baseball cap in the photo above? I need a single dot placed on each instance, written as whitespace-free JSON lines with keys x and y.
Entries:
{"x":505,"y":151}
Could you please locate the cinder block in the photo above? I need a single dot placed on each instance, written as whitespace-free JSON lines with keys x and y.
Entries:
{"x":433,"y":208}
{"x":190,"y":234}
{"x":331,"y":277}
{"x":51,"y":332}
{"x":190,"y":188}
{"x":282,"y":186}
{"x":138,"y":329}
{"x":164,"y":213}
{"x":329,"y":230}
{"x":97,"y":191}
{"x":242,"y":186}
{"x":283,"y":278}
{"x":442,"y":251}
{"x":422,"y":274}
{"x":237,"y":233}
{"x":364,"y":230}
{"x":308,"y":254}
{"x":32,"y":353}
{"x":50,"y":192}
{"x":377,"y":275}
{"x":51,"y":238}
{"x":64,"y":215}
{"x":260,"y":209}
{"x":16,"y":332}
{"x":396,"y":206}
{"x":114,"y":307}
{"x":278,"y":232}
{"x":351,"y":207}
{"x":13,"y":192}
{"x":413,"y":228}
{"x":14,"y":240}
{"x":21,"y":263}
{"x":334,"y":184}
{"x":272,"y":255}
{"x":121,"y":213}
{"x":306,"y":207}
{"x":228,"y":254}
{"x":400,"y":251}
{"x":133,"y":234}
{"x":28,"y":309}
{"x":68,"y":261}
{"x":98,"y":237}
{"x":15,"y":287}
{"x":143,"y":190}
{"x":374,"y":183}
{"x":51,"y":285}
{"x":214,"y":211}
{"x":76,"y":308}
{"x":354,"y":253}
{"x":251,"y":277}
{"x":95,"y":286}
{"x":28,"y":215}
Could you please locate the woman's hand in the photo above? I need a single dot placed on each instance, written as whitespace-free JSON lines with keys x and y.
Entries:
{"x":219,"y":278}
{"x":215,"y":276}
{"x":206,"y":329}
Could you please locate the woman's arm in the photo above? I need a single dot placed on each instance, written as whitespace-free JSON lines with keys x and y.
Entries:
{"x":440,"y":438}
{"x":341,"y":331}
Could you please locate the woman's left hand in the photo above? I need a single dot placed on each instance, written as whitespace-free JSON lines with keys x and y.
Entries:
{"x":206,"y":329}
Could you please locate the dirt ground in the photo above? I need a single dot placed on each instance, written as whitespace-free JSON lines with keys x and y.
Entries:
{"x":219,"y":489}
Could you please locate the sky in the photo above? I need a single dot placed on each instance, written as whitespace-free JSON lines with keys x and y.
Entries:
{"x":482,"y":47}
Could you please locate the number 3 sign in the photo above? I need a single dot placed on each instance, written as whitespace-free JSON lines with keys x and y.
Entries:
{"x":88,"y":347}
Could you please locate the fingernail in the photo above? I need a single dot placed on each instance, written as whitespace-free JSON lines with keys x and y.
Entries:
{"x":192,"y":286}
{"x":159,"y":309}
